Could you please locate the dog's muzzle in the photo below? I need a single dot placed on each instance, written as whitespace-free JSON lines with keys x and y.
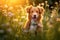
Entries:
{"x":34,"y":16}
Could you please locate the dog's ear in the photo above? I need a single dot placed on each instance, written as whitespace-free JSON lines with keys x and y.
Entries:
{"x":28,"y":8}
{"x":41,"y":9}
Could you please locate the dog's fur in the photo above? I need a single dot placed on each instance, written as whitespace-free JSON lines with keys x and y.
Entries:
{"x":33,"y":23}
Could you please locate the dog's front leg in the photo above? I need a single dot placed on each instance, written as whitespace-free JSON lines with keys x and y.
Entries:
{"x":40,"y":27}
{"x":27,"y":26}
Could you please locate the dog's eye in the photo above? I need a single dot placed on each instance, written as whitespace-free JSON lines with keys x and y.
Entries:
{"x":37,"y":11}
{"x":32,"y":11}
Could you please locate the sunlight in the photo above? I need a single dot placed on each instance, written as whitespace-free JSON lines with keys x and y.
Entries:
{"x":15,"y":2}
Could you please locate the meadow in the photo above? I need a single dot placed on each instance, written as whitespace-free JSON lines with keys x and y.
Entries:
{"x":13,"y":18}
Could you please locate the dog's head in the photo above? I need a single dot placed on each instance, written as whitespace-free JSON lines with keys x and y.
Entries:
{"x":34,"y":12}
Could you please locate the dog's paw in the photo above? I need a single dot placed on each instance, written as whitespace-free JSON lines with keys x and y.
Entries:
{"x":40,"y":25}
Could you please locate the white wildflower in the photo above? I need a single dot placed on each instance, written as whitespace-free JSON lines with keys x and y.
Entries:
{"x":23,"y":17}
{"x":56,"y":3}
{"x":1,"y":31}
{"x":42,"y":4}
{"x":16,"y":20}
{"x":9,"y":30}
{"x":46,"y":2}
{"x":3,"y":24}
{"x":10,"y":8}
{"x":7,"y":23}
{"x":6,"y":6}
{"x":10,"y":14}
{"x":20,"y":23}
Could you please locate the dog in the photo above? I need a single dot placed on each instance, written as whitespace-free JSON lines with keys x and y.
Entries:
{"x":33,"y":24}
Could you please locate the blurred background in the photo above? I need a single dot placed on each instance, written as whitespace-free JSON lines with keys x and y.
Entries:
{"x":13,"y":17}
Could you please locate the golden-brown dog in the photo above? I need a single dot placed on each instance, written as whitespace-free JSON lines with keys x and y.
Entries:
{"x":33,"y":23}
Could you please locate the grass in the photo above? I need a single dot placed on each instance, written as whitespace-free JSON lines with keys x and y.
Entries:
{"x":12,"y":21}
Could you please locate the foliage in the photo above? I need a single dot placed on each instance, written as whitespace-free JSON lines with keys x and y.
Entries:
{"x":12,"y":19}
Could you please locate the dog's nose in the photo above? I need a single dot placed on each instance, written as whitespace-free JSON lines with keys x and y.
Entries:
{"x":34,"y":15}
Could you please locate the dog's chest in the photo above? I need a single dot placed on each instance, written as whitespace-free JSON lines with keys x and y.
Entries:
{"x":33,"y":26}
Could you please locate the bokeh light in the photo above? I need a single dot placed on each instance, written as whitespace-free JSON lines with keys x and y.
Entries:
{"x":13,"y":17}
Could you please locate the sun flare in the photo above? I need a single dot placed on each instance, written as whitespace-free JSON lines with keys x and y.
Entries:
{"x":13,"y":2}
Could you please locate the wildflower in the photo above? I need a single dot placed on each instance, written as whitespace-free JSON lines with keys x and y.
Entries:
{"x":56,"y":3}
{"x":59,"y":1}
{"x":15,"y":20}
{"x":5,"y":12}
{"x":9,"y":30}
{"x":55,"y":8}
{"x":10,"y":8}
{"x":47,"y":5}
{"x":3,"y":24}
{"x":18,"y":16}
{"x":50,"y":25}
{"x":20,"y":23}
{"x":42,"y":4}
{"x":10,"y":14}
{"x":6,"y":6}
{"x":7,"y":23}
{"x":53,"y":13}
{"x":52,"y":7}
{"x":33,"y":4}
{"x":46,"y":2}
{"x":1,"y":31}
{"x":23,"y":17}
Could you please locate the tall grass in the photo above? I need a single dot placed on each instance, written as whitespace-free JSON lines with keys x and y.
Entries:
{"x":12,"y":20}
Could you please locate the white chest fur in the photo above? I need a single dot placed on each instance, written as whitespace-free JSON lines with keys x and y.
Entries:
{"x":33,"y":26}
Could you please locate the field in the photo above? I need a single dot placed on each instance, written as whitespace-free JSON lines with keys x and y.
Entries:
{"x":13,"y":18}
